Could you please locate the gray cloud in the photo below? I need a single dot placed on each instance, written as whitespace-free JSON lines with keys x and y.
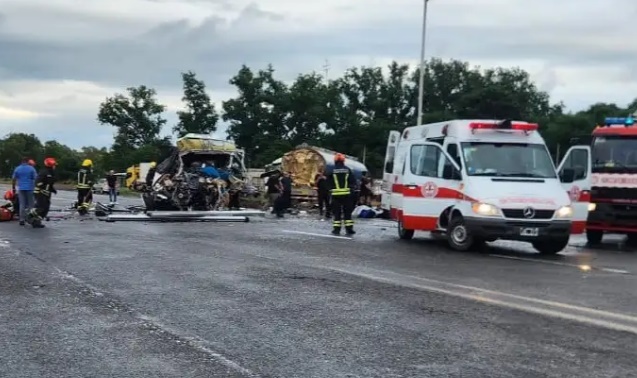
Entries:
{"x":217,"y":47}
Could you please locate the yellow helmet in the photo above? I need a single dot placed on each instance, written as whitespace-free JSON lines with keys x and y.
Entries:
{"x":153,"y":164}
{"x":87,"y":163}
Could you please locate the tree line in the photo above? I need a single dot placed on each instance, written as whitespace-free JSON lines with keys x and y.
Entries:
{"x":352,"y":113}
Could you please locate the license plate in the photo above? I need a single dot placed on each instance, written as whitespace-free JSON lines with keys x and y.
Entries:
{"x":529,"y":231}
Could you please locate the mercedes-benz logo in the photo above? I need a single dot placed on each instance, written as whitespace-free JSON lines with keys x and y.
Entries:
{"x":528,"y":212}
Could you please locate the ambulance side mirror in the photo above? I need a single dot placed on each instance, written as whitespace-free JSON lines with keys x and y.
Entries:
{"x":567,"y":175}
{"x":389,"y":167}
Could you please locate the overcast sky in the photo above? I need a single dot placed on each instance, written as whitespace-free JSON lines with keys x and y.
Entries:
{"x":60,"y":58}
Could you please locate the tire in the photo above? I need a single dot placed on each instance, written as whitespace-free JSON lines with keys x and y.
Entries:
{"x":458,"y":236}
{"x":551,"y":247}
{"x":594,"y":237}
{"x":403,"y":233}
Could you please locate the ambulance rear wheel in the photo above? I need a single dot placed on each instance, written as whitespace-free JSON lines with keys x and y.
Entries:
{"x":552,"y":247}
{"x":594,"y":237}
{"x":458,"y":236}
{"x":403,"y":233}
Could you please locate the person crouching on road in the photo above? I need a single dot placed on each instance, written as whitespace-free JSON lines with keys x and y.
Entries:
{"x":44,"y":187}
{"x":8,"y":209}
{"x":24,"y":176}
{"x":341,"y":182}
{"x":111,"y":181}
{"x":85,"y":181}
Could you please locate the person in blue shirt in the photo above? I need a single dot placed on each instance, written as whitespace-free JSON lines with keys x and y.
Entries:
{"x":24,"y":178}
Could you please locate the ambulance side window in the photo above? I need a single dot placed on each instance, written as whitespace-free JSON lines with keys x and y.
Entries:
{"x":577,"y":160}
{"x":424,"y":160}
{"x":452,"y":150}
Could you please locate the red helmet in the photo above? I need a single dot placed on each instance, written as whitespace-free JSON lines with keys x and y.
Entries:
{"x":339,"y":157}
{"x":31,"y":162}
{"x":50,"y":162}
{"x":8,"y":195}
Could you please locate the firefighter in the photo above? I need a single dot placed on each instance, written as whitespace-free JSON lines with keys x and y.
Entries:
{"x":44,"y":187}
{"x":341,"y":182}
{"x":85,"y":181}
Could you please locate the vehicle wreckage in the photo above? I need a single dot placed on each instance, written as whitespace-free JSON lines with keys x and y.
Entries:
{"x":202,"y":174}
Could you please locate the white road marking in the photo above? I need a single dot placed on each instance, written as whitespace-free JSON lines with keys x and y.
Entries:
{"x":195,"y":341}
{"x":582,"y":267}
{"x":585,"y":315}
{"x":315,"y":234}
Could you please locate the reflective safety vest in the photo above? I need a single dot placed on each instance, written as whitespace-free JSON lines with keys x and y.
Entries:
{"x":338,"y":191}
{"x":84,"y":179}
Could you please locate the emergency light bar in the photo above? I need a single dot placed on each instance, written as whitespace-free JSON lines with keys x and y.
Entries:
{"x":506,"y":125}
{"x":613,"y":121}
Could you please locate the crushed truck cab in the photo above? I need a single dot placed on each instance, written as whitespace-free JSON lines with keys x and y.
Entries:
{"x":477,"y":181}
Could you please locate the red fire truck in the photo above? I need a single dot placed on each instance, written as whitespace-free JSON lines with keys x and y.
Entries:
{"x":604,"y":174}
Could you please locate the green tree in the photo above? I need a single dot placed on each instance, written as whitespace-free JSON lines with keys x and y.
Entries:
{"x":200,"y":116}
{"x":17,"y":146}
{"x":137,"y":116}
{"x":258,"y":115}
{"x":68,"y":160}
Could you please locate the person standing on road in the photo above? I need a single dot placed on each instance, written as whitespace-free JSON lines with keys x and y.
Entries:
{"x":341,"y":182}
{"x":323,"y":194}
{"x":150,"y":176}
{"x":285,"y":199}
{"x":85,"y":181}
{"x":24,"y":177}
{"x":43,"y":190}
{"x":273,"y":190}
{"x":111,"y":181}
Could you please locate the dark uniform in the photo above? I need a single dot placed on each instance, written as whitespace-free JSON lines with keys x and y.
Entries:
{"x":323,"y":193}
{"x":150,"y":175}
{"x":84,"y":187}
{"x":341,"y":182}
{"x":44,"y":187}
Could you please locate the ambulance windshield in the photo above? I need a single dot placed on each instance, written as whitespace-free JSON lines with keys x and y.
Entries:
{"x":507,"y":160}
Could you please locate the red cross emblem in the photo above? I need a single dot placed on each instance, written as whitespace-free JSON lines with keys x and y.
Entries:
{"x":429,"y":190}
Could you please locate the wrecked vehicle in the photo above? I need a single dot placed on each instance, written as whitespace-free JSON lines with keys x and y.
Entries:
{"x":201,"y":174}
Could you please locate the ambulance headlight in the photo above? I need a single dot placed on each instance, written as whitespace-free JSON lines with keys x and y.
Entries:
{"x":592,"y":206}
{"x":564,"y":212}
{"x":485,"y":209}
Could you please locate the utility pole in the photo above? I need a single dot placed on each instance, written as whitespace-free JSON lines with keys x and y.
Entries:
{"x":421,"y":82}
{"x":326,"y":70}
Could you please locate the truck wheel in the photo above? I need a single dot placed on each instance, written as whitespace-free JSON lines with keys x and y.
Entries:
{"x":594,"y":237}
{"x":458,"y":235}
{"x":551,"y":247}
{"x":403,"y":233}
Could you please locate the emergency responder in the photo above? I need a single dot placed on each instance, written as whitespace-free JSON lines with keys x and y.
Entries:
{"x":44,"y":187}
{"x":85,"y":181}
{"x":150,"y":176}
{"x":341,"y":182}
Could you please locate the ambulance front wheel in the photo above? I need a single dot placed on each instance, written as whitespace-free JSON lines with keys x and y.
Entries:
{"x":403,"y":233}
{"x":551,"y":247}
{"x":458,"y":235}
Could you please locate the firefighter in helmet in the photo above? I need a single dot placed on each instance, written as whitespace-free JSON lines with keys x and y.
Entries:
{"x":342,"y":182}
{"x":44,"y":187}
{"x":85,"y":181}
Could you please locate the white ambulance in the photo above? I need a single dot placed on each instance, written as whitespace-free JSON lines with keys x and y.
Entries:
{"x":478,"y":181}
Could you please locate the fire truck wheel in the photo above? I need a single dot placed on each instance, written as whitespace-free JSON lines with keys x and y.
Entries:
{"x":552,"y":247}
{"x":594,"y":237}
{"x":458,"y":235}
{"x":403,"y":233}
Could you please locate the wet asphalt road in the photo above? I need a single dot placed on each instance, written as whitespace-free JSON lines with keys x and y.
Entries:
{"x":281,"y":298}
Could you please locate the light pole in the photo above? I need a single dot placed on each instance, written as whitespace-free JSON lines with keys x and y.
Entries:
{"x":421,"y":82}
